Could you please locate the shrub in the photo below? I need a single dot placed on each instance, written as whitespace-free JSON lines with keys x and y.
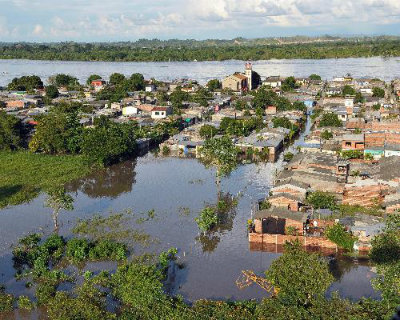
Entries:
{"x":322,"y":200}
{"x":108,"y":250}
{"x":6,"y":301}
{"x":264,"y":205}
{"x":338,"y":234}
{"x":78,"y":249}
{"x":44,"y":292}
{"x":207,"y":219}
{"x":288,"y":156}
{"x":25,"y":303}
{"x":165,"y":150}
{"x":330,"y":120}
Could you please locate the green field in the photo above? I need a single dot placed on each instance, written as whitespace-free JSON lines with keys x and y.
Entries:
{"x":23,"y":175}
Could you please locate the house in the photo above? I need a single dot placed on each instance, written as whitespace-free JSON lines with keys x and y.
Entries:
{"x":273,"y":82}
{"x":274,"y":227}
{"x":160,"y":112}
{"x":353,"y":142}
{"x":130,"y":110}
{"x":150,"y":87}
{"x":16,"y":104}
{"x":291,"y":186}
{"x":98,"y":84}
{"x":270,"y":110}
{"x":286,"y":200}
{"x":236,"y":82}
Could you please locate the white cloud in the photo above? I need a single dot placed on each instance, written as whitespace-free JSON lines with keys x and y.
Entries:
{"x":38,"y":30}
{"x":116,"y":19}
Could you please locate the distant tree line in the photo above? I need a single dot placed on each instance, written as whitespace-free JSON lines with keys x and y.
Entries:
{"x":189,"y":50}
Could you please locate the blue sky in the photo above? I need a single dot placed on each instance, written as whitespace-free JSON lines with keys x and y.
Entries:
{"x":113,"y":20}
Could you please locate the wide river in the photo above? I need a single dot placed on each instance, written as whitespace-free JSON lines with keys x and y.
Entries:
{"x":177,"y":189}
{"x":383,"y":68}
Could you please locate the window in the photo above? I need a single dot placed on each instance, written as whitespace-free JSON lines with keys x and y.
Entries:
{"x":348,"y":144}
{"x":157,"y":113}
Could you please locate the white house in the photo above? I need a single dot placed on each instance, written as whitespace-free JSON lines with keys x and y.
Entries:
{"x":273,"y":82}
{"x":150,"y":87}
{"x":129,"y":111}
{"x":160,"y":112}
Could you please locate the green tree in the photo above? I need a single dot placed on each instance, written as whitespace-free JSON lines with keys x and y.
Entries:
{"x":208,"y":131}
{"x":117,"y":78}
{"x":326,"y":135}
{"x":330,"y":120}
{"x":57,"y":132}
{"x":58,"y":200}
{"x":10,"y":132}
{"x":378,"y":92}
{"x":214,"y":84}
{"x":302,"y":277}
{"x":348,"y":90}
{"x":338,"y":234}
{"x":289,"y":84}
{"x":51,"y":92}
{"x":63,"y":80}
{"x":26,"y":83}
{"x":136,"y":82}
{"x":322,"y":200}
{"x":314,"y":77}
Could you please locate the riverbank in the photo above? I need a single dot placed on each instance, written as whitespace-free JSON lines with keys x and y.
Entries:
{"x":24,"y":174}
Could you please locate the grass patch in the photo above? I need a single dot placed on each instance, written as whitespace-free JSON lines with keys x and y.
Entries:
{"x":23,"y":175}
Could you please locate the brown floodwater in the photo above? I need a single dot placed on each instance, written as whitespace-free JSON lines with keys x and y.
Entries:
{"x":176,"y":189}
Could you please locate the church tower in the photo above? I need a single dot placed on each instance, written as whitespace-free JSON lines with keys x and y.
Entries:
{"x":248,"y":72}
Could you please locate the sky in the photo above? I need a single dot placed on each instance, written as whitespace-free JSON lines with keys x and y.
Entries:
{"x":129,"y":20}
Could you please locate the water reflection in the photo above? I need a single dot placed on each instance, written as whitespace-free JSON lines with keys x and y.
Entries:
{"x":109,"y":182}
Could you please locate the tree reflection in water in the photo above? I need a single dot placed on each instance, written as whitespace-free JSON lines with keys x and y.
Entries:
{"x":226,"y":214}
{"x":108,"y":182}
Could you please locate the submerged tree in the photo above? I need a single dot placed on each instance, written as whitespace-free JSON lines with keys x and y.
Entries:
{"x":222,"y":154}
{"x":58,"y":200}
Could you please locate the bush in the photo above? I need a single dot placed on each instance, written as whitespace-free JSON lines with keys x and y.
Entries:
{"x":330,"y":120}
{"x":166,"y":150}
{"x":25,"y":303}
{"x":207,"y":219}
{"x":338,"y":234}
{"x":264,"y":205}
{"x":6,"y":301}
{"x":78,"y":249}
{"x":322,"y":200}
{"x":288,"y":156}
{"x":352,"y":154}
{"x":44,"y":292}
{"x":108,"y":250}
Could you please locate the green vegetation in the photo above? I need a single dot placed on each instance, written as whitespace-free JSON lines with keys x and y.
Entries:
{"x":352,"y":154}
{"x":214,"y":84}
{"x":289,"y":84}
{"x":58,"y":200}
{"x":238,"y":127}
{"x":264,"y":97}
{"x":64,"y":80}
{"x":264,"y":205}
{"x":52,"y":92}
{"x":302,"y":278}
{"x":338,"y":234}
{"x":208,"y":131}
{"x":348,"y":90}
{"x":378,"y":92}
{"x":11,"y":132}
{"x":26,"y":83}
{"x":221,"y":153}
{"x":386,"y":246}
{"x":288,"y":156}
{"x":330,"y":120}
{"x":207,"y":219}
{"x":189,"y":50}
{"x":25,"y":174}
{"x":322,"y":200}
{"x":314,"y":77}
{"x":326,"y":135}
